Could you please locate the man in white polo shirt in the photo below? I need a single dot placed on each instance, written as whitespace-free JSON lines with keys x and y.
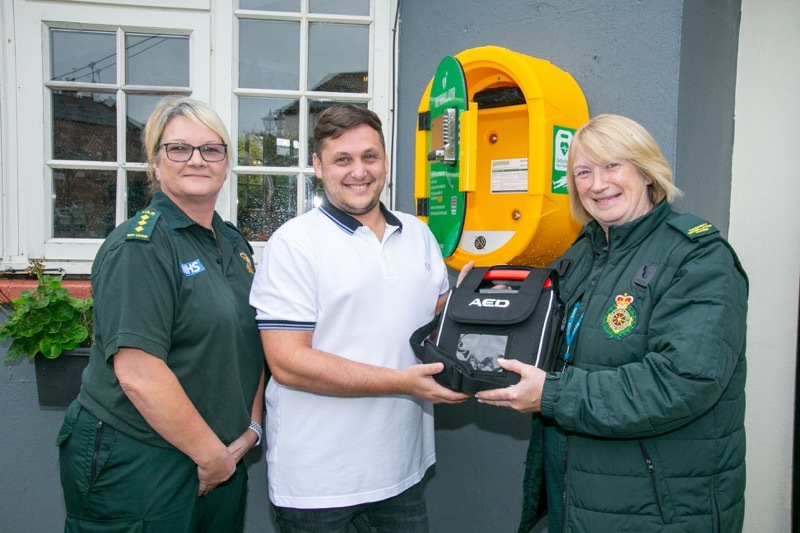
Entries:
{"x":338,"y":293}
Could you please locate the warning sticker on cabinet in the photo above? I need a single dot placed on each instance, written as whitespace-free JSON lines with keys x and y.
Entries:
{"x":510,"y":175}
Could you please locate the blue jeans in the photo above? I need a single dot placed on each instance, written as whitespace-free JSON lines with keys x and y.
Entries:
{"x":404,"y":513}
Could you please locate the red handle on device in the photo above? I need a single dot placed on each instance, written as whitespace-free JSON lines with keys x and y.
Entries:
{"x":508,"y":275}
{"x":511,"y":275}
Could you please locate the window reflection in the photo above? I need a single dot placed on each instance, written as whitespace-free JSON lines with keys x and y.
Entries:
{"x":83,"y":203}
{"x":138,"y":195}
{"x":138,"y":108}
{"x":83,"y":56}
{"x":340,"y":68}
{"x":268,"y":132}
{"x":271,"y":5}
{"x":265,"y":203}
{"x":84,"y":126}
{"x":269,"y":54}
{"x":161,"y":60}
{"x":340,"y":7}
{"x":315,"y":192}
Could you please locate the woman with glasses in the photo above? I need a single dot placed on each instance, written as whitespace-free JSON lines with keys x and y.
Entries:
{"x":173,"y":395}
{"x":641,"y":425}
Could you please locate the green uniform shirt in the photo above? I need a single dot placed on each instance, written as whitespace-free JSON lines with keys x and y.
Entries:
{"x":165,"y":285}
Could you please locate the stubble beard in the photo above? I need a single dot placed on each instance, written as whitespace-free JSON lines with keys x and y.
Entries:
{"x":355,"y":210}
{"x":341,"y":202}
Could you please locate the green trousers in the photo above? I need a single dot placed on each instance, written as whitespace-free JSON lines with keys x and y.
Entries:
{"x":114,"y":483}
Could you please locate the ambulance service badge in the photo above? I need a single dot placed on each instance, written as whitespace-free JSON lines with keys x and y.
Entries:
{"x":620,"y":318}
{"x":247,"y":263}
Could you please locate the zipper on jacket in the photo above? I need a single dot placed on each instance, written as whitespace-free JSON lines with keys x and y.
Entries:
{"x":566,"y":485}
{"x":651,"y":469}
{"x":585,"y":301}
{"x":96,"y":452}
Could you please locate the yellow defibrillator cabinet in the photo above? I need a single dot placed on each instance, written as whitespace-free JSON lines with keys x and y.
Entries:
{"x":493,"y":132}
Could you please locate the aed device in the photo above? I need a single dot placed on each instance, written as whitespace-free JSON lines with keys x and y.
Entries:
{"x":493,"y":131}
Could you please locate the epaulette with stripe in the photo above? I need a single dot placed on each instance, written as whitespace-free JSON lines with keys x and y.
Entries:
{"x":142,"y":225}
{"x":692,"y":227}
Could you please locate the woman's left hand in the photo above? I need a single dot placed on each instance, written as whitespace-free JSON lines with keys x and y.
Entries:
{"x":525,"y":396}
{"x":242,"y":445}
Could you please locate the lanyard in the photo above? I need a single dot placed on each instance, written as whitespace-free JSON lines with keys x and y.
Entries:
{"x":573,"y":324}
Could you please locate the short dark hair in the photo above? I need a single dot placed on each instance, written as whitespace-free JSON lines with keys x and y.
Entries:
{"x":340,"y":118}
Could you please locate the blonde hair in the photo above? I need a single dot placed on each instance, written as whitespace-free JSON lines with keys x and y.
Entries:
{"x":614,"y":138}
{"x":179,"y":106}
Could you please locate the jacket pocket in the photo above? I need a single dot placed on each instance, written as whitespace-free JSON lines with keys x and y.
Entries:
{"x":70,"y":419}
{"x":658,"y":483}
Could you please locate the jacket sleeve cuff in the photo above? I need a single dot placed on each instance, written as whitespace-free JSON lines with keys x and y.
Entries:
{"x":548,"y":393}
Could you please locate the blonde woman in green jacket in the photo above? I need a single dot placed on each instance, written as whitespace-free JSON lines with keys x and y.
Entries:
{"x":641,"y":426}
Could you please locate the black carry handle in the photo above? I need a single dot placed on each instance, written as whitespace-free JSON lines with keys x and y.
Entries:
{"x":452,"y":377}
{"x":532,"y":283}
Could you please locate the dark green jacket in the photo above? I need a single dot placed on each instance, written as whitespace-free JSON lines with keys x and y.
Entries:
{"x":652,"y":407}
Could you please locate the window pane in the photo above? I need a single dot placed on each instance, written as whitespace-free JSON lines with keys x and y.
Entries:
{"x":340,"y":7}
{"x":83,"y":56}
{"x":271,"y":5}
{"x":87,"y":127}
{"x":83,"y":203}
{"x":161,"y":60}
{"x":84,"y":126}
{"x":139,"y":107}
{"x":138,"y":196}
{"x":315,"y":192}
{"x":342,"y":68}
{"x":268,"y":132}
{"x":314,"y":110}
{"x":265,"y":203}
{"x":269,"y":54}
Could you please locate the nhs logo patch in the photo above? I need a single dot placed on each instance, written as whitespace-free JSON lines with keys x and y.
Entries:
{"x":192,"y":267}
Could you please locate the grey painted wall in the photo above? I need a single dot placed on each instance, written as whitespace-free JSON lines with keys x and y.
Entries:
{"x":668,"y":64}
{"x":709,"y":49}
{"x":30,"y":489}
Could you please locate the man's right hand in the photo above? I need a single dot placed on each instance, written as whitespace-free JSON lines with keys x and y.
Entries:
{"x":422,"y":385}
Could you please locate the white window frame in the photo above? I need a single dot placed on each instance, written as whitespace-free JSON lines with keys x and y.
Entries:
{"x":378,"y":98}
{"x":31,"y":207}
{"x":25,"y":177}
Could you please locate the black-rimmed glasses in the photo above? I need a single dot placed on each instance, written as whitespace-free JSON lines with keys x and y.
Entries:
{"x":182,"y":152}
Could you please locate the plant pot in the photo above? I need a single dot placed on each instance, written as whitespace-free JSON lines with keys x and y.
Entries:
{"x":58,"y":380}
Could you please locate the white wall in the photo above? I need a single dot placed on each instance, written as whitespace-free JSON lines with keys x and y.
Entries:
{"x":765,"y":230}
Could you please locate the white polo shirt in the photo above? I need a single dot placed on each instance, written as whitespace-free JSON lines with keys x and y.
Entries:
{"x":325,"y":272}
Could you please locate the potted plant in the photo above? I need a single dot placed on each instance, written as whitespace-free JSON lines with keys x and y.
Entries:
{"x":46,"y":323}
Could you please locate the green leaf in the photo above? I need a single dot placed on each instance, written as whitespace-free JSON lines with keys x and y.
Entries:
{"x":49,"y":349}
{"x":47,"y":319}
{"x":14,"y":352}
